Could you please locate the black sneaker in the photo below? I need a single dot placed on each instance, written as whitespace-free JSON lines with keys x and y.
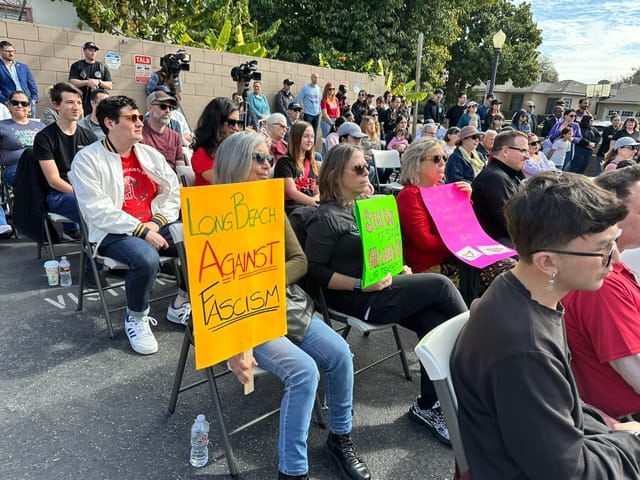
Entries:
{"x":432,"y":418}
{"x":344,"y":453}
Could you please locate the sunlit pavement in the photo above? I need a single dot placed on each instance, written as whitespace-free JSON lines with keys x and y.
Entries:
{"x":78,"y":405}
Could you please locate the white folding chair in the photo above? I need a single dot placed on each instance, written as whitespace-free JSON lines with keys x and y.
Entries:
{"x":386,"y":159}
{"x":186,"y":175}
{"x":434,"y":352}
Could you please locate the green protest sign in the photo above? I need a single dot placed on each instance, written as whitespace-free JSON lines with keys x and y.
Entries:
{"x":379,"y":226}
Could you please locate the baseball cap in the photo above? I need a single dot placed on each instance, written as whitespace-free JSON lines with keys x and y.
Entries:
{"x":350,"y":128}
{"x":471,"y":103}
{"x":624,"y":142}
{"x":496,"y":102}
{"x":288,"y":81}
{"x":90,"y":45}
{"x":294,"y":106}
{"x":160,"y":97}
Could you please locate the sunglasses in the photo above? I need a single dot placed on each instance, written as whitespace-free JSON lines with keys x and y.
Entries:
{"x":233,"y":123}
{"x":474,"y":137}
{"x":23,"y":103}
{"x":535,"y":143}
{"x":437,"y":158}
{"x":296,"y":109}
{"x":164,"y":106}
{"x":261,"y":158}
{"x":631,"y":147}
{"x":331,"y":89}
{"x":362,"y":169}
{"x":134,"y":117}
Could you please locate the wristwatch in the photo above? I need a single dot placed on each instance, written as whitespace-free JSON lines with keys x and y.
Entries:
{"x":357,"y":286}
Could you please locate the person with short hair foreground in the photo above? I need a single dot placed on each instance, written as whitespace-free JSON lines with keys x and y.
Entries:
{"x":520,"y":413}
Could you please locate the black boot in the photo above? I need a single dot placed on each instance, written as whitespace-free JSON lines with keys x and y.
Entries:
{"x":284,"y":476}
{"x":343,"y":451}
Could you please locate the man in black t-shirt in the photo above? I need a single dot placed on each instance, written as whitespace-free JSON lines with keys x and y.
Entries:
{"x":454,"y":113}
{"x":54,"y":148}
{"x":89,"y":74}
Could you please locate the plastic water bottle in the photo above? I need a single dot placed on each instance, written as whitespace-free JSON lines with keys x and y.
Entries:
{"x":65,"y":272}
{"x":199,"y":442}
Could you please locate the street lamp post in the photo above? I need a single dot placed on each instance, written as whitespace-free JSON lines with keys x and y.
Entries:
{"x":498,"y":42}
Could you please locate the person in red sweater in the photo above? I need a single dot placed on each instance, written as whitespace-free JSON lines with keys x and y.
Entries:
{"x":422,"y":167}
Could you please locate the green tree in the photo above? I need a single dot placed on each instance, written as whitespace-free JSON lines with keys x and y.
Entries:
{"x":354,"y":36}
{"x":216,"y":24}
{"x":472,"y":54}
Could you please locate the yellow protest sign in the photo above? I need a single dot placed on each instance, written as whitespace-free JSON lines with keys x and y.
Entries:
{"x":234,"y":238}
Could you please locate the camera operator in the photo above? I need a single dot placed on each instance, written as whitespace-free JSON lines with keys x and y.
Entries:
{"x":251,"y":122}
{"x":242,"y":75}
{"x":169,"y":74}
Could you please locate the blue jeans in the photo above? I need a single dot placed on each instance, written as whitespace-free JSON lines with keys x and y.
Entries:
{"x":143,"y":261}
{"x":297,"y":366}
{"x":313,"y":120}
{"x":10,"y":173}
{"x":64,"y":204}
{"x":326,"y":127}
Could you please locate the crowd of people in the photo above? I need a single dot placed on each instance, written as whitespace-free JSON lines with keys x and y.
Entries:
{"x":105,"y":163}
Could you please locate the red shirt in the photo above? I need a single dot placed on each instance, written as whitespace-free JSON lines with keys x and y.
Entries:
{"x":139,"y":189}
{"x":603,"y":326}
{"x":332,"y":108}
{"x":201,"y":161}
{"x":421,"y":243}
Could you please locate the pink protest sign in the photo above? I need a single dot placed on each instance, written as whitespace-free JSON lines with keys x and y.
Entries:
{"x":458,"y":226}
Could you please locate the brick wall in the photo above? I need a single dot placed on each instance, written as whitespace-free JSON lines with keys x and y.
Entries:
{"x":49,"y":52}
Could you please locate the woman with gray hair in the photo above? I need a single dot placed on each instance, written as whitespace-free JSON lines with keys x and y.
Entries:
{"x":277,"y":129}
{"x":422,"y":167}
{"x":424,"y":250}
{"x":310,"y":343}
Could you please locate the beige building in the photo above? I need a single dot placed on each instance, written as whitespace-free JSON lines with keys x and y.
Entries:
{"x":623,"y":99}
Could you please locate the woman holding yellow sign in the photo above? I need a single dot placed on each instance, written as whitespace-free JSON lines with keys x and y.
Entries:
{"x":310,"y":343}
{"x":418,"y":302}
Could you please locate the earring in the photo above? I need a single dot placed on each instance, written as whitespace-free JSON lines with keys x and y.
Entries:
{"x":552,"y":280}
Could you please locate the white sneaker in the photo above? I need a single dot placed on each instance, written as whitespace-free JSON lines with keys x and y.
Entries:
{"x":179,"y":315}
{"x":5,"y":231}
{"x":140,"y":336}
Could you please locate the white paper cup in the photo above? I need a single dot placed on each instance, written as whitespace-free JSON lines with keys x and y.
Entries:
{"x":51,"y":267}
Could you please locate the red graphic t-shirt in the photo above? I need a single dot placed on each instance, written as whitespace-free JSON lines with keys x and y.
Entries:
{"x":139,"y":190}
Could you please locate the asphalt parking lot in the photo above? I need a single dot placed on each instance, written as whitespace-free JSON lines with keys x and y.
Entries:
{"x":78,"y":405}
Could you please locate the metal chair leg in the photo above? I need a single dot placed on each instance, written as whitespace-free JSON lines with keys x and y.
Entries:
{"x":401,"y":354}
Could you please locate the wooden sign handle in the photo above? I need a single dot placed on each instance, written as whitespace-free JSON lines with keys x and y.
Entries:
{"x":248,"y":358}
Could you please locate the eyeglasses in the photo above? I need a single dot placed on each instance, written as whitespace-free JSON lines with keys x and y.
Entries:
{"x":23,"y":103}
{"x":362,"y":169}
{"x":233,"y":123}
{"x":282,"y":126}
{"x":607,"y":257}
{"x":437,"y":158}
{"x":134,"y":117}
{"x":523,"y":151}
{"x":261,"y":158}
{"x":535,"y":143}
{"x":164,"y":106}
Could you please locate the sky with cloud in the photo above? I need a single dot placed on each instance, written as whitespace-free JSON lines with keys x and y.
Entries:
{"x":589,"y":40}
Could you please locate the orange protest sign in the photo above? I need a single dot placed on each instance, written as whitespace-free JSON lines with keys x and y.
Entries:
{"x":234,"y":238}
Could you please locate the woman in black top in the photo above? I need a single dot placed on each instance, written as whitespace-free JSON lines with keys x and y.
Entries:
{"x":333,"y":247}
{"x":585,"y":147}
